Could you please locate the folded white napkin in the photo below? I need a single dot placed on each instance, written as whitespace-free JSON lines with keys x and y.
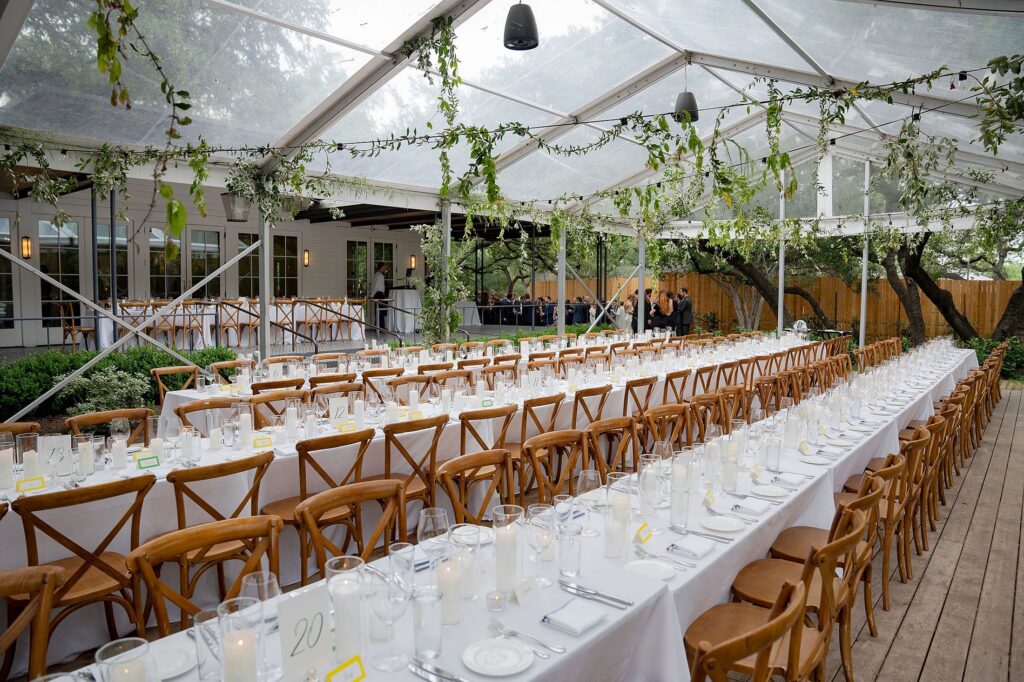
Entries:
{"x":790,"y":479}
{"x":751,"y":506}
{"x":692,"y":546}
{"x":575,"y":617}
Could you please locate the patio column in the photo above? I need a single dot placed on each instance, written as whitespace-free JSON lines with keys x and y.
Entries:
{"x":640,"y":298}
{"x":560,"y":289}
{"x":446,"y":252}
{"x":113,"y":252}
{"x":266,"y":284}
{"x":95,"y":250}
{"x":781,"y":305}
{"x":864,"y":257}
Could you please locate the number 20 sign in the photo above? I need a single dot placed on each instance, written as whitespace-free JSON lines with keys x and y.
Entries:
{"x":304,"y":624}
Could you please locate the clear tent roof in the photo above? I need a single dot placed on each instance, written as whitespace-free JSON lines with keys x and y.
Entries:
{"x":282,"y":72}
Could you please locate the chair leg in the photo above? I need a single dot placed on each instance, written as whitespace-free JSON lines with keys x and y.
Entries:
{"x":869,"y":605}
{"x":8,"y":662}
{"x":108,"y":613}
{"x":908,"y":525}
{"x":845,"y":646}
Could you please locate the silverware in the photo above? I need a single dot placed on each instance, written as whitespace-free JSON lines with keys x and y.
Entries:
{"x":739,"y":496}
{"x":592,"y":597}
{"x":502,"y":629}
{"x":677,"y":564}
{"x":796,"y":473}
{"x":210,"y":643}
{"x":624,"y":602}
{"x":434,"y":670}
{"x":426,"y":675}
{"x":776,"y":481}
{"x":714,"y":512}
{"x":708,"y":536}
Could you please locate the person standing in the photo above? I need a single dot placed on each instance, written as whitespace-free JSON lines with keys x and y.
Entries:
{"x":685,"y":306}
{"x":671,"y":312}
{"x":378,"y":291}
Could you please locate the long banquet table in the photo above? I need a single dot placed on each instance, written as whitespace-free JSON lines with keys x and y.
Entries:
{"x":691,"y":592}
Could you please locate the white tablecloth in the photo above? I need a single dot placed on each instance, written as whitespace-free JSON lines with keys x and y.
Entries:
{"x":106,"y":333}
{"x":470,"y":313}
{"x":410,"y":302}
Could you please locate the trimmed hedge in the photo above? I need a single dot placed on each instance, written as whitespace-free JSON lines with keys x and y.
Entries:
{"x":24,"y":380}
{"x":1013,"y":365}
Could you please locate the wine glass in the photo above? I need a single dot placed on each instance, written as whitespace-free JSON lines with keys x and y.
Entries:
{"x":540,"y":534}
{"x":170,"y":427}
{"x":120,"y":429}
{"x":587,"y":481}
{"x":262,"y":585}
{"x":431,"y":533}
{"x":388,"y":598}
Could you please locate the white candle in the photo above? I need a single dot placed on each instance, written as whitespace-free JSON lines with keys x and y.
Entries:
{"x":446,"y":400}
{"x":7,"y":468}
{"x":309,"y":425}
{"x":414,"y":399}
{"x":449,"y":356}
{"x":128,"y":671}
{"x":86,"y":459}
{"x":245,"y":429}
{"x":216,"y":438}
{"x":391,"y":413}
{"x":680,"y":509}
{"x":506,"y":551}
{"x":241,"y":659}
{"x":358,"y":407}
{"x":451,"y":592}
{"x":481,"y":386}
{"x":156,"y":446}
{"x":118,"y":453}
{"x":468,"y":574}
{"x":291,"y":423}
{"x":345,"y":597}
{"x":30,"y":464}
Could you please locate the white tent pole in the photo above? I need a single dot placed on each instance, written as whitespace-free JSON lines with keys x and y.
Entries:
{"x":446,"y":253}
{"x":560,"y":290}
{"x":641,"y":300}
{"x":864,"y":257}
{"x":781,"y":305}
{"x":266,"y":285}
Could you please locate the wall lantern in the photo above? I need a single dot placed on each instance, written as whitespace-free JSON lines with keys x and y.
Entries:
{"x":305,"y":258}
{"x":26,"y":247}
{"x":412,"y":261}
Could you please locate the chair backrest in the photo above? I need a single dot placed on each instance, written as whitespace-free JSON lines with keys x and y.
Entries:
{"x":371,"y":353}
{"x":469,"y":420}
{"x":423,"y":464}
{"x":18,"y":428}
{"x":541,"y":355}
{"x":320,"y":395}
{"x":508,"y":359}
{"x":706,"y":409}
{"x":259,"y":533}
{"x":713,"y":661}
{"x":541,"y":364}
{"x":637,"y":395}
{"x":389,"y":494}
{"x":582,"y":401}
{"x":439,"y":347}
{"x":401,"y":386}
{"x":618,"y":431}
{"x":39,"y":583}
{"x":184,"y":410}
{"x":735,"y":401}
{"x":29,"y":508}
{"x":433,"y":368}
{"x":762,"y":365}
{"x":675,"y":386}
{"x":473,"y":362}
{"x":218,"y":368}
{"x":704,"y":379}
{"x":840,"y":550}
{"x":320,"y":380}
{"x":276,"y":385}
{"x":183,"y":481}
{"x":529,"y":414}
{"x":507,"y":371}
{"x":313,"y":455}
{"x":283,"y":358}
{"x":442,"y":379}
{"x":267,"y":407}
{"x":383,"y":373}
{"x":668,"y":422}
{"x":139,"y":415}
{"x":460,"y":476}
{"x":766,"y":389}
{"x":727,"y":373}
{"x":554,"y":456}
{"x":320,"y":357}
{"x":158,"y":373}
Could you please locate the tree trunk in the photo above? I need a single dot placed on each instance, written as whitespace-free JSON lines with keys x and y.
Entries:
{"x":910,"y":260}
{"x":910,"y":299}
{"x":1011,"y":324}
{"x":768,"y":289}
{"x":823,"y":320}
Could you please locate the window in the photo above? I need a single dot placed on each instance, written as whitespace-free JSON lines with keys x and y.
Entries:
{"x":248,"y":267}
{"x":355,"y":269}
{"x":385,"y":253}
{"x":286,"y":266}
{"x":58,"y":258}
{"x":164,"y":264}
{"x":204,"y":250}
{"x":6,"y":278}
{"x":120,"y":253}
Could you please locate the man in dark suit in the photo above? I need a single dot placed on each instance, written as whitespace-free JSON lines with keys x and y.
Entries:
{"x":685,"y":306}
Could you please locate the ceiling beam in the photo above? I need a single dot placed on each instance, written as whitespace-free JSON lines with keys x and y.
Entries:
{"x":787,"y":74}
{"x":13,"y":14}
{"x":385,"y":218}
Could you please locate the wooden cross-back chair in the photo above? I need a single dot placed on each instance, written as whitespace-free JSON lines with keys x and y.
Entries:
{"x":268,"y":407}
{"x":230,"y":320}
{"x":320,"y":380}
{"x":553,"y":457}
{"x":727,"y":374}
{"x":763,"y":365}
{"x":441,"y":347}
{"x":766,"y":390}
{"x":745,"y":372}
{"x":408,"y":350}
{"x":381,"y":374}
{"x":388,"y":493}
{"x":285,"y":318}
{"x":637,"y":396}
{"x":319,"y":457}
{"x":470,"y":363}
{"x":570,"y":353}
{"x":670,"y":423}
{"x":315,"y":321}
{"x":675,"y":386}
{"x":18,"y":428}
{"x":862,"y":359}
{"x":185,"y":411}
{"x":595,"y":350}
{"x":276,"y":385}
{"x":38,"y":583}
{"x":582,"y":401}
{"x":191,"y":373}
{"x":507,"y":359}
{"x":471,"y":345}
{"x":754,"y":642}
{"x":420,"y":482}
{"x":735,"y":402}
{"x":370,"y":353}
{"x":319,"y":396}
{"x":278,"y":359}
{"x":568,"y":362}
{"x":704,"y":379}
{"x":597,"y":360}
{"x":260,"y":533}
{"x":94,"y":575}
{"x":218,"y":368}
{"x":620,"y":436}
{"x":72,"y":328}
{"x":547,"y":363}
{"x":529,"y":417}
{"x":434,"y":367}
{"x":706,"y":409}
{"x":541,"y":355}
{"x":453,"y":376}
{"x":401,"y":387}
{"x":462,"y":475}
{"x":186,"y":495}
{"x":139,"y":416}
{"x":508,"y":372}
{"x":788,"y":386}
{"x":470,"y":419}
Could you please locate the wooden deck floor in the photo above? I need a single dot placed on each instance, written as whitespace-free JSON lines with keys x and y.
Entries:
{"x":961,"y":617}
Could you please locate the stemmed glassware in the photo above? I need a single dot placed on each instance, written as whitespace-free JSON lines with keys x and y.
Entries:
{"x":540,"y":535}
{"x":388,"y":597}
{"x":120,"y":429}
{"x":588,"y":480}
{"x":263,"y":586}
{"x":431,"y":534}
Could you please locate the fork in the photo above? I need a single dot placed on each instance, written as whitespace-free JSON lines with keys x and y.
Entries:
{"x":506,"y":631}
{"x":715,"y":512}
{"x":739,"y":496}
{"x":677,"y":564}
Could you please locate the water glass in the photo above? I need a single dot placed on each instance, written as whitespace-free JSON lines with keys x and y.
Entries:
{"x":587,"y":481}
{"x":570,"y":546}
{"x":126,"y":659}
{"x":563,"y":508}
{"x":464,"y":543}
{"x":240,"y":621}
{"x":207,"y":640}
{"x":388,"y":599}
{"x":540,"y":535}
{"x":344,"y":576}
{"x":262,"y":585}
{"x":773,"y":453}
{"x":426,"y":623}
{"x":83,"y":459}
{"x":120,"y":428}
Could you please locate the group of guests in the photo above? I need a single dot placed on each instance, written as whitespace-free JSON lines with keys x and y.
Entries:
{"x":661,"y":310}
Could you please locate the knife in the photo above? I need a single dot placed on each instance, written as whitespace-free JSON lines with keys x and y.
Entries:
{"x":592,"y":597}
{"x":624,"y":602}
{"x":440,"y":672}
{"x":425,"y":675}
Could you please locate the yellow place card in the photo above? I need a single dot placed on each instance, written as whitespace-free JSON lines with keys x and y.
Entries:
{"x":226,"y":388}
{"x":347,"y":427}
{"x":350,"y":671}
{"x":147,"y":462}
{"x":643,"y":533}
{"x":263,"y":442}
{"x":416,"y":414}
{"x":709,"y":496}
{"x":140,"y":453}
{"x":27,"y":485}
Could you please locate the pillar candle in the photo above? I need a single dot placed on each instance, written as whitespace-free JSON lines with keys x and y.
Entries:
{"x":291,"y":423}
{"x":309,"y":426}
{"x":358,"y":407}
{"x":30,"y":464}
{"x":414,"y":399}
{"x":128,"y":671}
{"x":446,"y":400}
{"x":216,"y":438}
{"x":680,"y":509}
{"x":391,"y":413}
{"x":156,"y":446}
{"x":451,"y":592}
{"x":241,"y":658}
{"x":345,"y":598}
{"x":86,"y":459}
{"x":118,"y":453}
{"x":245,"y":429}
{"x":7,"y":468}
{"x":506,"y":557}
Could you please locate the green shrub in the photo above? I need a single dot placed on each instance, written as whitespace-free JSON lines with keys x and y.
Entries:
{"x":24,"y":380}
{"x":1013,"y":365}
{"x":105,"y":389}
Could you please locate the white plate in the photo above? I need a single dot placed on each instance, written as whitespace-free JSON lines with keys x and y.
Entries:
{"x":860,"y":429}
{"x":486,"y":534}
{"x":839,"y":442}
{"x":725,"y":524}
{"x":497,"y":657}
{"x":815,"y":459}
{"x":768,"y":490}
{"x":651,"y":568}
{"x":174,"y":660}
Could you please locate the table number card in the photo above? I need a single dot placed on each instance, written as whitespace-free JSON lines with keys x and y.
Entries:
{"x":55,"y":454}
{"x":304,"y":621}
